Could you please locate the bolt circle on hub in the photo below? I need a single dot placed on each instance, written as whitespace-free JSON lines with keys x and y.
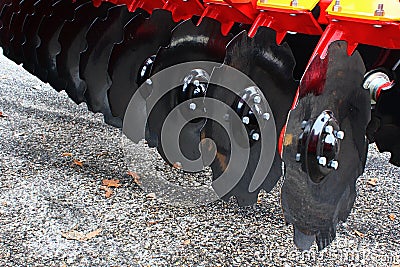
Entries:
{"x":249,"y":114}
{"x":319,"y":146}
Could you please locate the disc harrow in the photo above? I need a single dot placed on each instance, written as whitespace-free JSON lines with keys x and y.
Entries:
{"x":267,"y":89}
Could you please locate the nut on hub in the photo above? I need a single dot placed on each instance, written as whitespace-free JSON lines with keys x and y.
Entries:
{"x":319,"y":146}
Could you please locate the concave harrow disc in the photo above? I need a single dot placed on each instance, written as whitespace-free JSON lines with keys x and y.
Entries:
{"x":127,"y":69}
{"x":6,"y":17}
{"x":270,"y":67}
{"x":325,"y":147}
{"x":49,"y":47}
{"x":384,"y":128}
{"x":189,"y":42}
{"x":17,"y":37}
{"x":101,"y":38}
{"x":42,"y":9}
{"x":4,"y":5}
{"x":73,"y":42}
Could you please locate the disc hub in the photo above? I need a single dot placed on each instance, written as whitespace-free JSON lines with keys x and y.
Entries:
{"x":319,"y":146}
{"x":251,"y":111}
{"x":145,"y":70}
{"x":194,"y":85}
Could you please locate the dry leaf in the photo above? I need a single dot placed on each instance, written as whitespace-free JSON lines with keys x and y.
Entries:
{"x":135,"y":177}
{"x":152,"y":222}
{"x":111,"y":183}
{"x":288,"y":140}
{"x":108,"y":191}
{"x":372,"y":181}
{"x":78,"y":163}
{"x":177,"y":165}
{"x":151,"y":196}
{"x":359,"y":233}
{"x":76,"y":235}
{"x":186,"y":242}
{"x":93,"y":234}
{"x":2,"y":115}
{"x":392,"y":217}
{"x":66,"y":154}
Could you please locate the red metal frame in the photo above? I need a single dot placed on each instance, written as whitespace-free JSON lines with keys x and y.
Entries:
{"x":183,"y":10}
{"x":283,"y":21}
{"x":229,"y":12}
{"x":354,"y":32}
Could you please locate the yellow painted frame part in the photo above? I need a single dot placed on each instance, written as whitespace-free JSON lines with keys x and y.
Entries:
{"x":286,"y":4}
{"x":365,"y":9}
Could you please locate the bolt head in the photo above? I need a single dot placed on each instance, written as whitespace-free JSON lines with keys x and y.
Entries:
{"x":340,"y":135}
{"x":327,"y":117}
{"x":255,"y":136}
{"x":246,"y":120}
{"x":298,"y":157}
{"x":322,"y":161}
{"x":328,"y":129}
{"x":266,"y":116}
{"x":257,"y":99}
{"x":337,"y":8}
{"x":192,"y":106}
{"x":226,"y":117}
{"x":334,"y":164}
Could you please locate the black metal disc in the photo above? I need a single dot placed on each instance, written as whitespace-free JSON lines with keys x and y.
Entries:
{"x":30,"y":30}
{"x":189,"y":42}
{"x":101,"y":38}
{"x":142,"y":39}
{"x":325,"y":146}
{"x":72,"y":41}
{"x":384,"y":128}
{"x":48,"y":33}
{"x":6,"y":17}
{"x":270,"y":67}
{"x":17,"y":37}
{"x":4,"y":5}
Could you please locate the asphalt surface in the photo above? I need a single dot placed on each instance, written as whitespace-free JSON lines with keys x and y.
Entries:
{"x":44,"y":194}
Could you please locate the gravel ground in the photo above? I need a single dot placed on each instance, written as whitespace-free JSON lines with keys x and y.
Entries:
{"x":44,"y":194}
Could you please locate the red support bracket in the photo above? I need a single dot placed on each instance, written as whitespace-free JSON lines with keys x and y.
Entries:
{"x":227,"y":14}
{"x":354,"y":31}
{"x":183,"y":10}
{"x":282,"y":21}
